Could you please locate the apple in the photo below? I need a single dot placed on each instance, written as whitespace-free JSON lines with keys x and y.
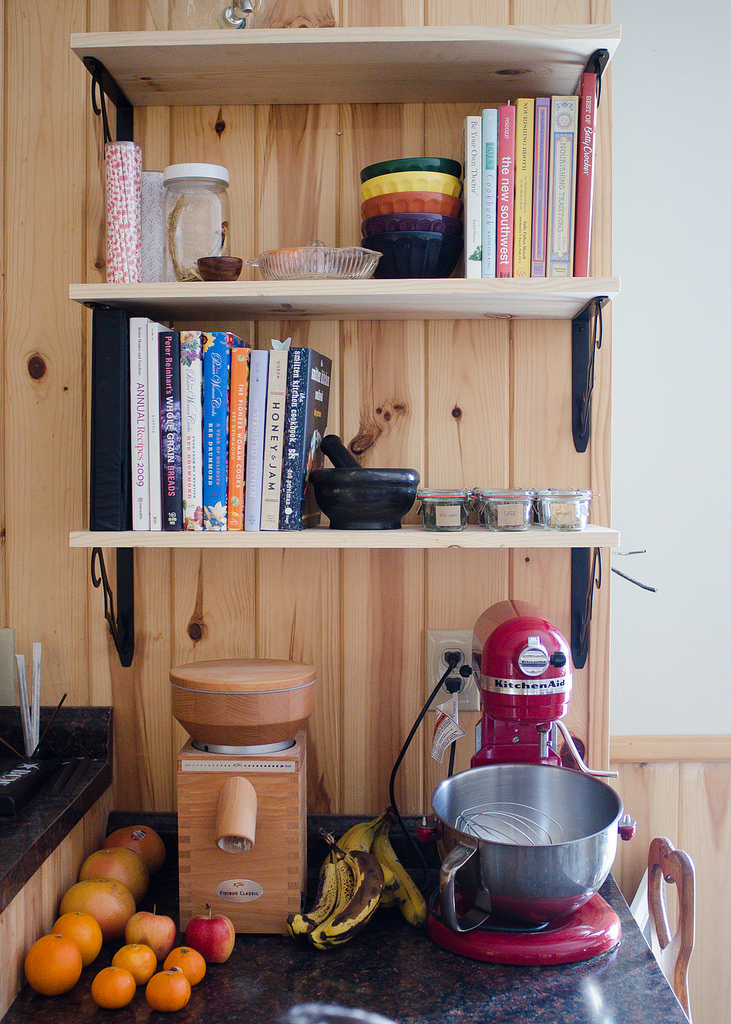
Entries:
{"x":157,"y":931}
{"x":213,"y":935}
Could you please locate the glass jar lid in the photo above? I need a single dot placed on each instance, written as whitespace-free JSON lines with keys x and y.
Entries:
{"x":178,"y":172}
{"x":508,"y":492}
{"x":566,"y":495}
{"x":444,"y":497}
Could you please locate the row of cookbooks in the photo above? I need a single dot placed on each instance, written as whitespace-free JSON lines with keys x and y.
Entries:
{"x":223,"y":436}
{"x":529,"y":184}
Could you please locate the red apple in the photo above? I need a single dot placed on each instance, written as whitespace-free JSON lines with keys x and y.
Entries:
{"x":213,"y":935}
{"x":157,"y":931}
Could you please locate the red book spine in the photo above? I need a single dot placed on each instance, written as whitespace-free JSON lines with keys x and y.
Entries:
{"x":505,"y":190}
{"x":585,"y":174}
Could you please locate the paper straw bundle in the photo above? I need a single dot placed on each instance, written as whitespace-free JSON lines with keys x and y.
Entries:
{"x":123,"y":162}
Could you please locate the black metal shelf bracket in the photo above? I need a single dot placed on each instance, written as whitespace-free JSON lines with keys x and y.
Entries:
{"x":102,"y":84}
{"x":596,"y":64}
{"x":586,"y":577}
{"x":586,"y":340}
{"x":122,"y":623}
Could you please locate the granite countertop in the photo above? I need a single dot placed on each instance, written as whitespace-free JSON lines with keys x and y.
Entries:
{"x":390,"y":968}
{"x":76,"y":751}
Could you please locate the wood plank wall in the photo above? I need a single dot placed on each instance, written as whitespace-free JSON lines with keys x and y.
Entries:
{"x":467,"y":403}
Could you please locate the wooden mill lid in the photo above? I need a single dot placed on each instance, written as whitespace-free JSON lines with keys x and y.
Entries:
{"x":255,"y":675}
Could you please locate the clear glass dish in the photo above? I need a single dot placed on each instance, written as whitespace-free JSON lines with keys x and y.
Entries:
{"x":315,"y":260}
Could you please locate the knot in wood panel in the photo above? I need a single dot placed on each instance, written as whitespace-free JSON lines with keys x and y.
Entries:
{"x":37,"y":367}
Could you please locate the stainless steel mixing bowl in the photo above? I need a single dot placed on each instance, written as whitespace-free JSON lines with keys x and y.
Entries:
{"x":529,"y":843}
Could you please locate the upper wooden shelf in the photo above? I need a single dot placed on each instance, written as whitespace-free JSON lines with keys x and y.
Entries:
{"x":403,"y":299}
{"x":346,"y":65}
{"x":406,"y":538}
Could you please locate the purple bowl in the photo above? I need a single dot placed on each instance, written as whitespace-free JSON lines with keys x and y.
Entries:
{"x":386,"y":222}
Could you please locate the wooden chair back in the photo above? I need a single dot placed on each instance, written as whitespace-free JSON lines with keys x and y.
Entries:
{"x":672,"y":948}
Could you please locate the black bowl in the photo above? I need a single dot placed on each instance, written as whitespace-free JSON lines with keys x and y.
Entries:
{"x":365,"y":499}
{"x":416,"y":253}
{"x":386,"y":222}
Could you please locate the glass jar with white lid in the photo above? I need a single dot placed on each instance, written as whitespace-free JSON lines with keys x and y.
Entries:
{"x":196,"y":216}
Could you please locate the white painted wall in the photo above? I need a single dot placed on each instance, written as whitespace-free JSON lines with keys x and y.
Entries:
{"x":671,"y":651}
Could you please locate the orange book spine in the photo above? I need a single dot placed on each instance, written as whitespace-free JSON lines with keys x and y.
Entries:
{"x":239,"y":389}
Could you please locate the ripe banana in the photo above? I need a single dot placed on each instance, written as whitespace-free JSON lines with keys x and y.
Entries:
{"x":352,"y":914}
{"x":360,"y":836}
{"x":407,"y":895}
{"x":324,"y":905}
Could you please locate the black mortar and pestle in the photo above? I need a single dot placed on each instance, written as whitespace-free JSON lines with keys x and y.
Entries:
{"x":356,"y":498}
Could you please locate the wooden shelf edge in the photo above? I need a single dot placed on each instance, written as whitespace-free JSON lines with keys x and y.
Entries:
{"x":405,"y":299}
{"x":406,"y":538}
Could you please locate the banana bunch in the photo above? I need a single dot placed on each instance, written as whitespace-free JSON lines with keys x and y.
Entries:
{"x":403,"y":892}
{"x":349,"y":891}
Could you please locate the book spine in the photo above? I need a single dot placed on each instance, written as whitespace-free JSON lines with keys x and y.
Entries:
{"x":274,"y":438}
{"x":153,"y":390}
{"x":318,"y":403}
{"x":562,"y":191}
{"x":191,"y":416}
{"x":110,"y":483}
{"x":472,"y":197}
{"x":585,"y":174}
{"x":505,"y":191}
{"x":540,"y":186}
{"x":237,"y":436}
{"x":522,"y":222}
{"x":216,"y":370}
{"x":138,"y":423}
{"x":170,"y":432}
{"x":489,"y":191}
{"x":258,"y":377}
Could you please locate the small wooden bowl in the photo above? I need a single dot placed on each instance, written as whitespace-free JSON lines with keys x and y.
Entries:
{"x":220,"y":268}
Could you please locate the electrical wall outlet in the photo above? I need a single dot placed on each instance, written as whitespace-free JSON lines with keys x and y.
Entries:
{"x":438,"y":642}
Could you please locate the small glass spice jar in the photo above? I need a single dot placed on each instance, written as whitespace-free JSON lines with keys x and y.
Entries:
{"x":196,"y":217}
{"x":510,"y":509}
{"x":445,"y":510}
{"x":563,"y":510}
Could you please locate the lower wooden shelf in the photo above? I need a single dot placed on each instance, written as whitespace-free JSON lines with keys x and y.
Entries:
{"x":406,"y":538}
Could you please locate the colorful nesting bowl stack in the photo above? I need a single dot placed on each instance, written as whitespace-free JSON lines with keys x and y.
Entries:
{"x":411,"y":211}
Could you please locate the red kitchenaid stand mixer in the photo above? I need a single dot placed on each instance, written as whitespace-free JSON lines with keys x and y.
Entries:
{"x":525,"y":842}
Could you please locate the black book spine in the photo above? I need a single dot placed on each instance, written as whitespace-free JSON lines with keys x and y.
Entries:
{"x":171,"y":451}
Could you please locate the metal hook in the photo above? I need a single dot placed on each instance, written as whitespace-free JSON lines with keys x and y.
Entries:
{"x":596,"y":64}
{"x":100,"y":106}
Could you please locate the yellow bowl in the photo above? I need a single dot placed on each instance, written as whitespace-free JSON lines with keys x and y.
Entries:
{"x":411,"y":181}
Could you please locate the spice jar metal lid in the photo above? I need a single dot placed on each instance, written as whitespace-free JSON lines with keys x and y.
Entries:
{"x":177,"y":172}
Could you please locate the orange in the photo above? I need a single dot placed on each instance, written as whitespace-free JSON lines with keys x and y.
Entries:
{"x":110,"y":902}
{"x":53,"y":965}
{"x":190,"y":962}
{"x":113,"y":987}
{"x":138,"y":959}
{"x":120,"y":863}
{"x":143,"y":840}
{"x":84,"y":930}
{"x":168,"y":990}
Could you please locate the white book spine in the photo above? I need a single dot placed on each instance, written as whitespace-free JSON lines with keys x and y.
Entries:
{"x":489,"y":191}
{"x":258,"y":373}
{"x":153,"y":391}
{"x":472,"y":190}
{"x":271,"y":485}
{"x":139,"y":423}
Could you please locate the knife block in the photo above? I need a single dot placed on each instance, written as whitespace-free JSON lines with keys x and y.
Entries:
{"x":256,"y":888}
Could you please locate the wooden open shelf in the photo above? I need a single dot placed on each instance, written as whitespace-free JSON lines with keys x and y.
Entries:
{"x":351,"y":65}
{"x":406,"y":538}
{"x":411,"y":299}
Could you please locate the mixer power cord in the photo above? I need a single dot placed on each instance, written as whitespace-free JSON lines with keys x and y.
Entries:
{"x":452,"y":660}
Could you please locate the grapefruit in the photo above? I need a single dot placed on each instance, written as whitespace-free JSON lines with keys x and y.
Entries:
{"x":143,"y":840}
{"x":120,"y":863}
{"x":106,"y":899}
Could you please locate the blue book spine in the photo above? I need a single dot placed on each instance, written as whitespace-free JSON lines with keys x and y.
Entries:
{"x":216,"y":372}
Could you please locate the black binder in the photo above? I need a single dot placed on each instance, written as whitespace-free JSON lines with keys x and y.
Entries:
{"x":110,"y":486}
